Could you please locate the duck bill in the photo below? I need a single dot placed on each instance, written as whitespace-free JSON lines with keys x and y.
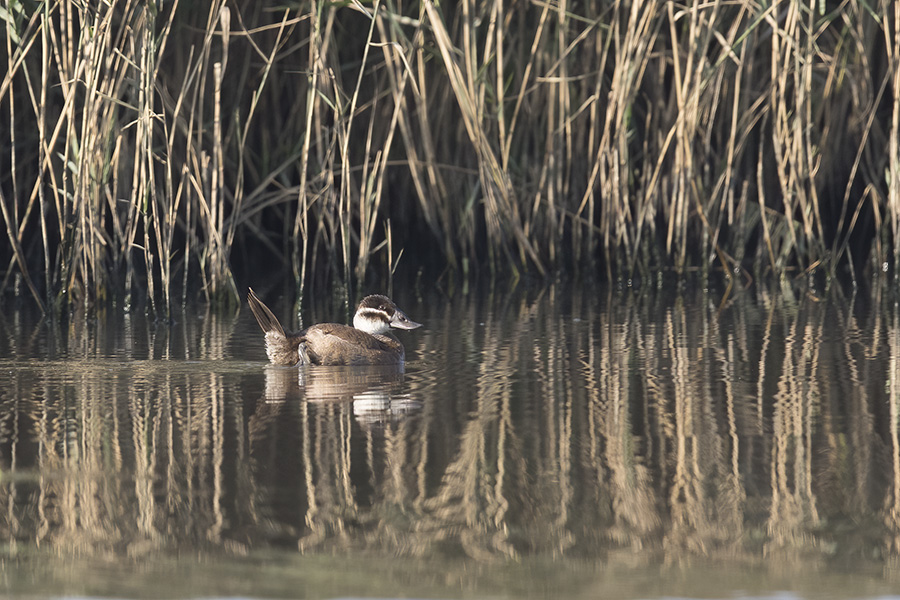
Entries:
{"x":401,"y":321}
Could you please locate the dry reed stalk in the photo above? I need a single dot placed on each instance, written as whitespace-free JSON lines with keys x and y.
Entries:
{"x":316,"y":90}
{"x":615,"y":162}
{"x":893,"y":199}
{"x":643,"y":135}
{"x":399,"y":76}
{"x":500,"y":205}
{"x":347,"y":116}
{"x":427,"y":179}
{"x":860,"y":35}
{"x":372,"y":184}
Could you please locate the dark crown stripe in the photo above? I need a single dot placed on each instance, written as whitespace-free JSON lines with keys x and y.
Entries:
{"x":373,"y":313}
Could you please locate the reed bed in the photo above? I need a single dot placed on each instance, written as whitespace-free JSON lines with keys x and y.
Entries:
{"x":148,"y":146}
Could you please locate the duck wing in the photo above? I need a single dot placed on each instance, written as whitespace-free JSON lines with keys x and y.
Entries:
{"x":336,"y":344}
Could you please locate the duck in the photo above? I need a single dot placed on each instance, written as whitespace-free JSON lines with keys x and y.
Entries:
{"x":368,"y":342}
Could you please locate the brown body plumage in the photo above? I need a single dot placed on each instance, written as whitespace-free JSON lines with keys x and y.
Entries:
{"x":368,"y":342}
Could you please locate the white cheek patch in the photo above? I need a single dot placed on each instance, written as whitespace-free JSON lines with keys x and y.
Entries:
{"x":371,"y":321}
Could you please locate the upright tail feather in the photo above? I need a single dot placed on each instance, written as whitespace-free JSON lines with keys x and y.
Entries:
{"x":264,"y":316}
{"x":283,"y":349}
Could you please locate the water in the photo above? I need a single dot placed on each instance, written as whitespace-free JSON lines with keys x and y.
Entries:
{"x":555,"y":442}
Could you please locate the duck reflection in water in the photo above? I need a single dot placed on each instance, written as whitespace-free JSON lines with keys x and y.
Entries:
{"x":377,"y":393}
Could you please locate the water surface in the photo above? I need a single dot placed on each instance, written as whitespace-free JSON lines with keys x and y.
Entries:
{"x":561,"y":441}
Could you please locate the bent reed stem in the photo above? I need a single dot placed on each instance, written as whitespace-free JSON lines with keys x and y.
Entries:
{"x":150,"y":141}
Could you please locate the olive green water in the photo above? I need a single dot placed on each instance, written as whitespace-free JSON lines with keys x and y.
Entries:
{"x":558,"y":442}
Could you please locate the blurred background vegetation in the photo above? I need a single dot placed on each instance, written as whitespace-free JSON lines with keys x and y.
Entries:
{"x":148,"y":146}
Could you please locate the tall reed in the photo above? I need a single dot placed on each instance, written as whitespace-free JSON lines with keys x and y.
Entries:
{"x":145,"y":142}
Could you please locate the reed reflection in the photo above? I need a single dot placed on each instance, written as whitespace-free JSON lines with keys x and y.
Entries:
{"x":623,"y":428}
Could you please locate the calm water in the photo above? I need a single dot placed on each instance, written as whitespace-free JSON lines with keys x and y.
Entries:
{"x":554,"y":442}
